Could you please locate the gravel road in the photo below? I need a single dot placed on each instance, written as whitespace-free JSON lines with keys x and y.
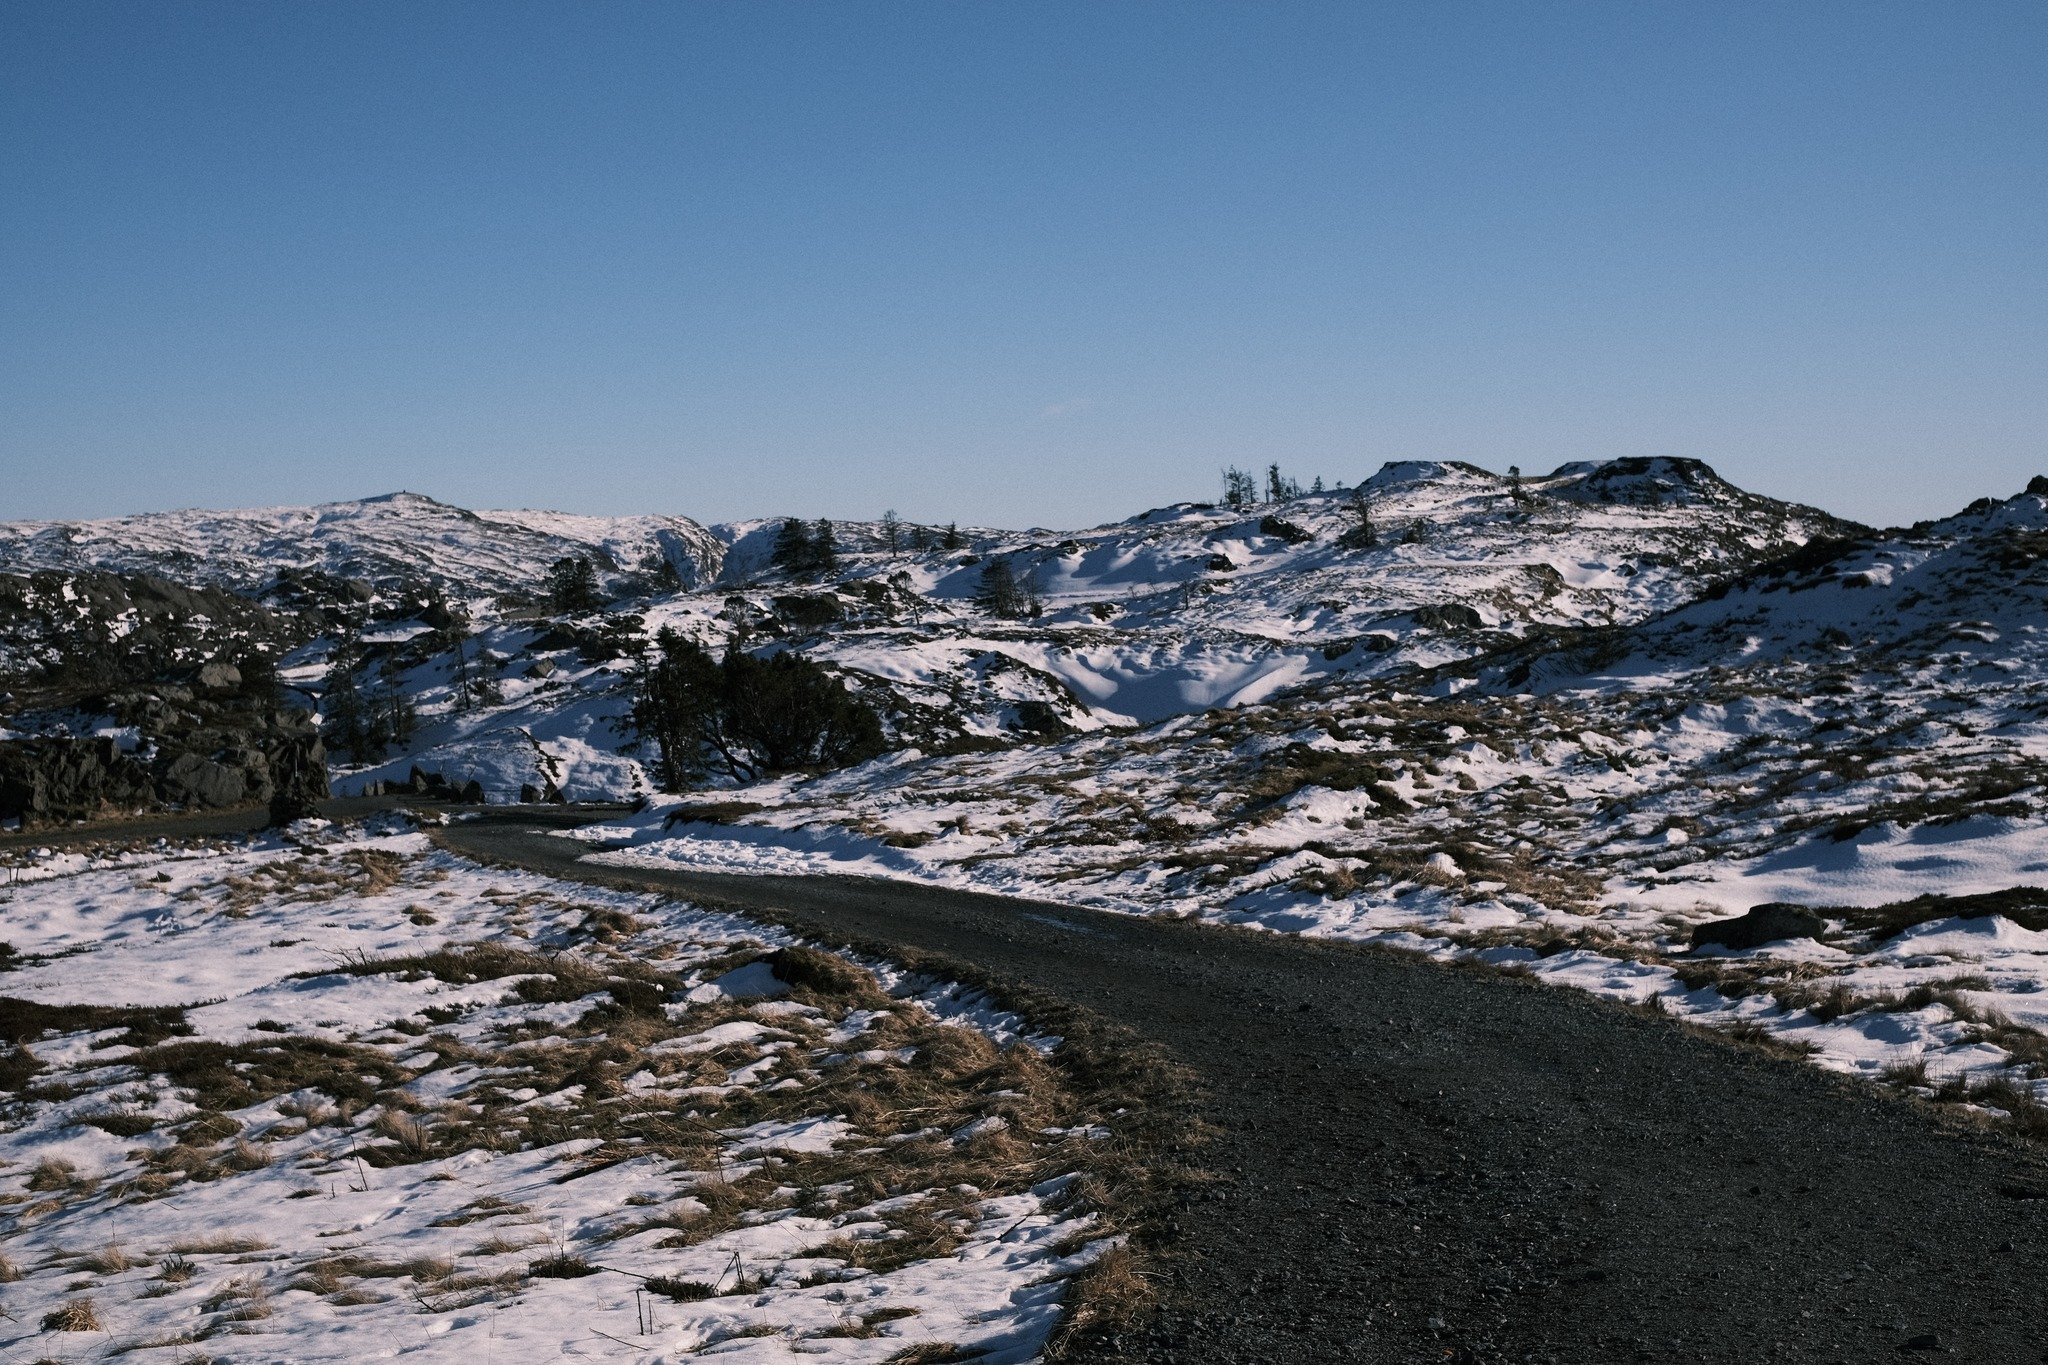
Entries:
{"x":1427,"y":1164}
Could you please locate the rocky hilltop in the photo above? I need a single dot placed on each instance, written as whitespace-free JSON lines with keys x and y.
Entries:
{"x":452,"y":616}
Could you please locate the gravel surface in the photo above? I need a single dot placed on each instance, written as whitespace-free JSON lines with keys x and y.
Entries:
{"x":1425,"y":1164}
{"x":1428,"y":1164}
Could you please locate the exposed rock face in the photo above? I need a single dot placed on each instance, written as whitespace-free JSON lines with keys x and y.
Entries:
{"x":68,"y":779}
{"x":220,"y":677}
{"x":194,"y":781}
{"x":76,"y":778}
{"x":1763,"y":924}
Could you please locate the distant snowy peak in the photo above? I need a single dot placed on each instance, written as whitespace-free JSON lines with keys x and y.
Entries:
{"x":1653,"y":481}
{"x":387,"y":541}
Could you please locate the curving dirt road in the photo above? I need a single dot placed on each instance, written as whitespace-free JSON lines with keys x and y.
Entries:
{"x":1422,"y":1164}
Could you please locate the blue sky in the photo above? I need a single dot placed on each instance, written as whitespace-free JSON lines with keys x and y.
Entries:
{"x":1011,"y":264}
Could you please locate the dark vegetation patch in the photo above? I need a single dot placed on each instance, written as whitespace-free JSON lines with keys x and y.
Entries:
{"x":2026,"y":906}
{"x":224,"y":1076}
{"x":546,"y":978}
{"x":24,"y":1021}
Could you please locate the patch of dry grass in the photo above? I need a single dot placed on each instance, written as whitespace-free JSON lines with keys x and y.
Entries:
{"x":73,"y":1315}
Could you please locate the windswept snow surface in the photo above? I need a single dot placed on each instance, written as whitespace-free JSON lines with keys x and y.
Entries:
{"x":1171,"y":612}
{"x":294,"y":1222}
{"x":397,"y":538}
{"x":1814,"y":731}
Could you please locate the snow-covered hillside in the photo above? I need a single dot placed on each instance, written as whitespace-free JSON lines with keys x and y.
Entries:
{"x":1169,"y":612}
{"x":1558,"y":723}
{"x":384,"y":543}
{"x":1859,"y":728}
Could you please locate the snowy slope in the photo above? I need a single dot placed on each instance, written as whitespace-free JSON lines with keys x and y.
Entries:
{"x":387,"y":541}
{"x":1861,"y":728}
{"x":1173,"y":611}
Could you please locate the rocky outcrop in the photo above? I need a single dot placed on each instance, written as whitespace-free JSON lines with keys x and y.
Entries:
{"x":194,"y":781}
{"x":1771,"y":923}
{"x":69,"y":779}
{"x":236,"y":760}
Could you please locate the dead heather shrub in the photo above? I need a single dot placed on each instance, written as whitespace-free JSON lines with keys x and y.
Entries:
{"x":73,"y":1315}
{"x":175,"y":1269}
{"x":485,"y":1206}
{"x":310,"y":1110}
{"x":823,"y":975}
{"x":931,"y":1353}
{"x":356,"y":1295}
{"x":560,"y":1266}
{"x":109,"y":1260}
{"x":1331,"y":883}
{"x":249,"y":1156}
{"x":2025,"y":1114}
{"x":867,"y":1324}
{"x":1753,"y":1033}
{"x":498,"y":1244}
{"x":120,"y":1122}
{"x":218,"y":1244}
{"x":161,"y":1342}
{"x":1825,"y":1001}
{"x":327,"y":1275}
{"x":224,"y":1076}
{"x":242,"y":1299}
{"x":1108,"y":1294}
{"x":9,"y":1271}
{"x":608,"y":925}
{"x":413,"y":1142}
{"x":680,"y":1291}
{"x":914,"y":1235}
{"x":547,"y":979}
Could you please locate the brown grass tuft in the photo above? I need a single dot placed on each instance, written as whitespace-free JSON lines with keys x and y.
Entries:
{"x":73,"y":1315}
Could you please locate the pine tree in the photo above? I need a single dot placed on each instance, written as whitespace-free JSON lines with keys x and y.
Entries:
{"x":462,"y":679}
{"x":572,"y":586}
{"x":952,"y":539}
{"x":1362,"y":535}
{"x":662,"y":574}
{"x":399,"y":714}
{"x":346,"y":718}
{"x":1278,"y":487}
{"x":1240,"y":489}
{"x":794,"y":554}
{"x":999,"y":593}
{"x":748,"y":716}
{"x":1515,"y":489}
{"x":920,"y":538}
{"x":472,"y":682}
{"x":824,"y":550}
{"x":892,"y":530}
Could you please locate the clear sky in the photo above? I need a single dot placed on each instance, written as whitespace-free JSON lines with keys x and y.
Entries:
{"x":1028,"y":263}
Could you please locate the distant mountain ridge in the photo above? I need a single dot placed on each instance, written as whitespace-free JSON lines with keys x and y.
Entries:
{"x":1169,"y":612}
{"x":383,"y":541}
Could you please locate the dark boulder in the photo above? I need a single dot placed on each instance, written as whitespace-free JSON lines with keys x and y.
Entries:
{"x":1284,"y":530}
{"x":195,"y":781}
{"x":1448,"y":616}
{"x":1771,"y":923}
{"x":219,"y":677}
